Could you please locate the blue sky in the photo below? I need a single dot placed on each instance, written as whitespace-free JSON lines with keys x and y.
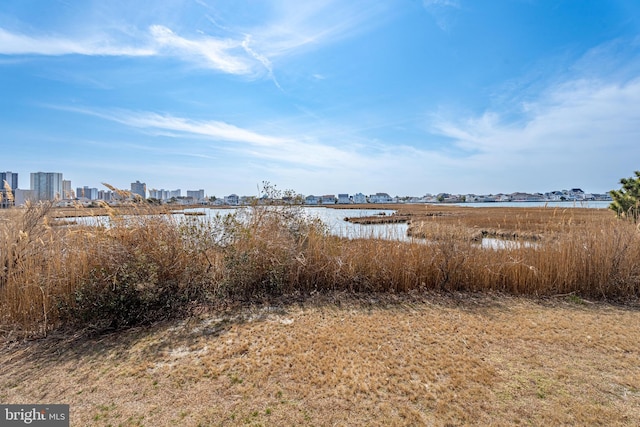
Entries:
{"x":401,"y":96}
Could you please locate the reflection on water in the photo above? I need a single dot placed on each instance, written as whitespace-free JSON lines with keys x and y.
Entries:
{"x":335,"y":221}
{"x":493,"y":243}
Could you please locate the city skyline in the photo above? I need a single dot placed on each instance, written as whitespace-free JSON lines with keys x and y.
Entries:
{"x":141,"y":188}
{"x":406,"y":97}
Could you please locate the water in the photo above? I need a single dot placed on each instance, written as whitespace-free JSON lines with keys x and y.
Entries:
{"x":334,"y":219}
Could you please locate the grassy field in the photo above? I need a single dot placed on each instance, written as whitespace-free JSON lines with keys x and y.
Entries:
{"x":428,"y":359}
{"x":265,"y":318}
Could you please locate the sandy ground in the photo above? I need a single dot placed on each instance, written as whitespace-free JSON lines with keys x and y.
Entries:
{"x":340,"y":361}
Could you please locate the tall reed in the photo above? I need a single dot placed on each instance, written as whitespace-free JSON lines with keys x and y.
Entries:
{"x":148,"y":264}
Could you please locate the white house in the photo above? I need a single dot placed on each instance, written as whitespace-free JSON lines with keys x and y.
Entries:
{"x":311,"y":200}
{"x":380,"y":198}
{"x":359,"y":198}
{"x":232,"y":200}
{"x":343,"y":199}
{"x":328,"y":199}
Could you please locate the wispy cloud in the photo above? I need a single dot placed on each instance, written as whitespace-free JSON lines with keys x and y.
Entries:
{"x":99,"y":45}
{"x":211,"y":129}
{"x":440,"y":10}
{"x":291,"y":149}
{"x":297,"y":26}
{"x":236,"y":48}
{"x":588,"y":128}
{"x":225,"y":55}
{"x":221,"y":54}
{"x":246,"y":45}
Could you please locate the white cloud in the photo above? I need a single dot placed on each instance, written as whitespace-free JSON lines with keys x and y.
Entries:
{"x":585,"y":130}
{"x":237,"y":48}
{"x":297,"y":26}
{"x":290,"y":149}
{"x":19,"y":44}
{"x":221,"y":54}
{"x":211,"y":129}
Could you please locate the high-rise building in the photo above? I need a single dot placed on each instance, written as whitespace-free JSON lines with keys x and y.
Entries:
{"x":106,"y":195}
{"x":46,"y":185}
{"x":87,"y":193}
{"x":67,"y":193}
{"x":11,"y":178}
{"x":139,"y":188}
{"x":196,"y":194}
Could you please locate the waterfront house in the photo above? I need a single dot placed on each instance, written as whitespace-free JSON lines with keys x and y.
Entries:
{"x":311,"y":200}
{"x":359,"y":198}
{"x":232,"y":200}
{"x":328,"y":199}
{"x":380,"y":198}
{"x":343,"y":199}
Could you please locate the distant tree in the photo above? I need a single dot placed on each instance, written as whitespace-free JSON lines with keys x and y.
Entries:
{"x":626,"y":201}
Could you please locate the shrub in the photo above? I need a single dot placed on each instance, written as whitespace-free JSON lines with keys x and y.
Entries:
{"x":142,"y":271}
{"x":626,"y":201}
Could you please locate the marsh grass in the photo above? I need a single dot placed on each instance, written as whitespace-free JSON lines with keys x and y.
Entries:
{"x":145,"y":263}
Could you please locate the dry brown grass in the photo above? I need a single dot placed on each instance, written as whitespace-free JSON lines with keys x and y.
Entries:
{"x":377,"y":360}
{"x":128,"y":272}
{"x":146,"y":264}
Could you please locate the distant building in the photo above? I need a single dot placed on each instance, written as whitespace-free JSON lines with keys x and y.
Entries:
{"x":554,"y":196}
{"x":106,"y":195}
{"x":576,"y":194}
{"x":11,"y":178}
{"x":196,"y":194}
{"x":46,"y":185}
{"x":247,"y":200}
{"x":139,"y":188}
{"x":328,"y":199}
{"x":359,"y":198}
{"x":87,"y":193}
{"x":23,"y":196}
{"x":158,"y":194}
{"x":311,"y":200}
{"x":343,"y":199}
{"x":67,"y":192}
{"x":527,"y":197}
{"x":380,"y":198}
{"x":232,"y":200}
{"x":164,"y":195}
